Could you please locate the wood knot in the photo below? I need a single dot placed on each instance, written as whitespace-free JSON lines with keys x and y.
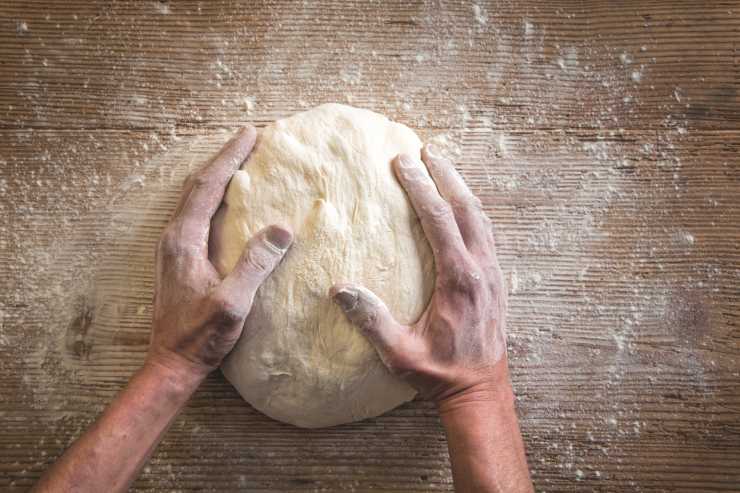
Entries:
{"x":75,"y":342}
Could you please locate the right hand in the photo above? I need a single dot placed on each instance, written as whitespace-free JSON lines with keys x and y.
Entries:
{"x":457,"y":349}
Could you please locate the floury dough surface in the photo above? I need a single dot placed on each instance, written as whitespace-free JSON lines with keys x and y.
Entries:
{"x":326,"y":174}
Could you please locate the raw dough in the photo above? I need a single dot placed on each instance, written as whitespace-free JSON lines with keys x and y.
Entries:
{"x":326,"y":174}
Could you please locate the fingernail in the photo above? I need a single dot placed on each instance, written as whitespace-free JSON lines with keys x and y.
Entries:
{"x":433,"y":151}
{"x":346,"y":298}
{"x":279,"y":237}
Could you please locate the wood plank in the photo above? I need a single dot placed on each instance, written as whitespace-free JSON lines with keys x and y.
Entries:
{"x":516,"y":65}
{"x":621,"y":252}
{"x":602,"y":138}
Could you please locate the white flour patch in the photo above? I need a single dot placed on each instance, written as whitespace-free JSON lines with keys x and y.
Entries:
{"x":480,"y":14}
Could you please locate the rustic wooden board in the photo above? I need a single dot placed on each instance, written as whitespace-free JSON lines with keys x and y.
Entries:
{"x":152,"y":64}
{"x":615,"y":199}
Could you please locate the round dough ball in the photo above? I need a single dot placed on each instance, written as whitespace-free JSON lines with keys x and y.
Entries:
{"x":326,"y":174}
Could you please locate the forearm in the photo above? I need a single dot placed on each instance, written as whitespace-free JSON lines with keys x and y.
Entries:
{"x":110,"y":454}
{"x":485,"y":445}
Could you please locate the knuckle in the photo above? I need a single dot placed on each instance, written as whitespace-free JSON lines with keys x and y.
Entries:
{"x":366,"y":319}
{"x":226,"y":310}
{"x":260,"y":259}
{"x":465,"y":280}
{"x":198,"y":179}
{"x":439,"y":212}
{"x":175,"y":242}
{"x":191,"y":229}
{"x":169,"y":242}
{"x":468,"y":201}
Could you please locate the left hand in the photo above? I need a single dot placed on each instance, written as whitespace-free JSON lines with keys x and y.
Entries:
{"x":197,"y":316}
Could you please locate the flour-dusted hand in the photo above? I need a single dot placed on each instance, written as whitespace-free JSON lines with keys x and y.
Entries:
{"x":197,"y":320}
{"x":455,"y":346}
{"x":455,"y":354}
{"x":197,"y":316}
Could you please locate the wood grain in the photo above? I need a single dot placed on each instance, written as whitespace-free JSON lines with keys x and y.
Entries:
{"x":154,"y":65}
{"x":614,"y":196}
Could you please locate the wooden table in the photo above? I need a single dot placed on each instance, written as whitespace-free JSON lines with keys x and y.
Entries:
{"x":603,"y":138}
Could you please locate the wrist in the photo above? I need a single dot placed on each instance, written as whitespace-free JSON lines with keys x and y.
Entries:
{"x":483,"y":437}
{"x":181,"y":375}
{"x":492,"y":394}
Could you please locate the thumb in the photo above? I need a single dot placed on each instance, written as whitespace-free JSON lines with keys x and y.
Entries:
{"x":368,"y":312}
{"x":261,"y":255}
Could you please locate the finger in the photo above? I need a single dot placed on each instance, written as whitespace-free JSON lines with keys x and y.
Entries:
{"x":471,"y":220}
{"x":191,"y":178}
{"x":187,"y":186}
{"x":435,"y":214}
{"x":369,"y":314}
{"x":261,"y":255}
{"x":205,"y":188}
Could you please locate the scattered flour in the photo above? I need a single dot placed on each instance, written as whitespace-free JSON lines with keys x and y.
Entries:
{"x":684,"y":238}
{"x":480,"y":15}
{"x":162,"y":7}
{"x":528,"y":28}
{"x":500,"y":145}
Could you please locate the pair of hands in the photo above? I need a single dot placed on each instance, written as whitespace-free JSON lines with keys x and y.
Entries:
{"x":455,"y":352}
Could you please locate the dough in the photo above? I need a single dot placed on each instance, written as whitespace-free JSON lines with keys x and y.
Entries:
{"x":326,"y":174}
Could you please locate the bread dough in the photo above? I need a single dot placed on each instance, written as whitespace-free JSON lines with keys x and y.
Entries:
{"x":326,"y":174}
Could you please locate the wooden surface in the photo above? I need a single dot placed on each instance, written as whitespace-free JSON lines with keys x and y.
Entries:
{"x":603,"y":138}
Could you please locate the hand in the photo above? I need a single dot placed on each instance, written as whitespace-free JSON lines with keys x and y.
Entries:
{"x":197,"y":316}
{"x":458,"y":346}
